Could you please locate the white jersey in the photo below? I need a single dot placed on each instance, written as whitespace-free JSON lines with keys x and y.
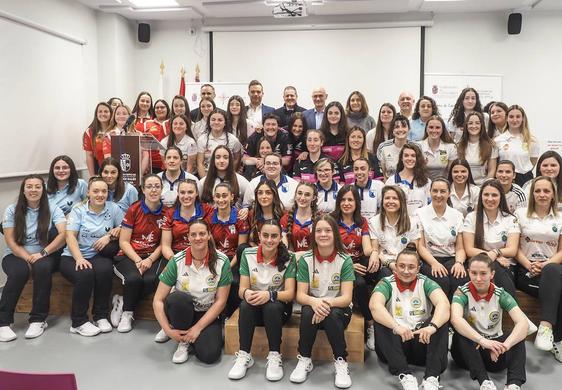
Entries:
{"x":416,"y":197}
{"x":370,"y":196}
{"x":496,"y":232}
{"x":515,"y":198}
{"x":387,"y":154}
{"x":390,"y":243}
{"x":286,"y":188}
{"x":479,"y":169}
{"x":539,"y":236}
{"x":468,"y":201}
{"x":438,"y":160}
{"x":440,"y":232}
{"x":511,"y":147}
{"x":265,"y":276}
{"x":327,"y":198}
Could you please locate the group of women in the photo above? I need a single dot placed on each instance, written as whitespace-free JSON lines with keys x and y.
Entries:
{"x":438,"y":241}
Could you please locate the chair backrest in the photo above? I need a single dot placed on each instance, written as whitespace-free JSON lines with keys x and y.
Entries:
{"x":37,"y":381}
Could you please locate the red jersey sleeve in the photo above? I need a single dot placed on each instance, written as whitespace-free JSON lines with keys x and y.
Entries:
{"x":167,"y":225}
{"x":130,"y":217}
{"x":364,"y":227}
{"x":87,"y":141}
{"x":284,"y":222}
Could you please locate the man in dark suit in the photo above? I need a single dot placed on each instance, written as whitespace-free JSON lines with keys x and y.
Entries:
{"x":315,"y":115}
{"x":207,"y":92}
{"x":256,"y":110}
{"x":289,"y":108}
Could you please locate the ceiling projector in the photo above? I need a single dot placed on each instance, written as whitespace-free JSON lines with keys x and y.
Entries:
{"x":290,"y":9}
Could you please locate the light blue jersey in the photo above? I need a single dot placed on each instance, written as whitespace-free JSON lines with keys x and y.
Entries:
{"x":129,"y":197}
{"x":91,"y":226}
{"x":32,"y":244}
{"x":67,"y":201}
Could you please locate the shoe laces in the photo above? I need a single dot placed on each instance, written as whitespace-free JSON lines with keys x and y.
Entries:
{"x":557,"y":350}
{"x":274,"y":360}
{"x":545,"y":331}
{"x":487,"y":385}
{"x":127,"y":315}
{"x":303,"y":363}
{"x":408,"y":380}
{"x":341,"y":367}
{"x":433,"y":381}
{"x":242,"y":358}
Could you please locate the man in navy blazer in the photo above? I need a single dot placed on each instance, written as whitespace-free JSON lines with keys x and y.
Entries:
{"x":314,"y":116}
{"x":289,"y":108}
{"x":256,"y":110}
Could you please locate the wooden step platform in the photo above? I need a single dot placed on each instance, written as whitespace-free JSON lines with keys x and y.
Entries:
{"x":61,"y":298}
{"x":354,"y":337}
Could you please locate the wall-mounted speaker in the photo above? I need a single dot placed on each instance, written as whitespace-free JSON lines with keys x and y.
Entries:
{"x":144,"y":32}
{"x":514,"y":23}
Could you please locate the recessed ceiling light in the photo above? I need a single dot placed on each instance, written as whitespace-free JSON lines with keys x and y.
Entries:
{"x":154,"y":3}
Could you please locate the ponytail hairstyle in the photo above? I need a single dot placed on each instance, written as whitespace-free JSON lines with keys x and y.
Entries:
{"x":52,"y":185}
{"x":190,"y":182}
{"x":531,"y":206}
{"x":411,"y":250}
{"x":212,"y":174}
{"x":96,"y":128}
{"x":119,"y":184}
{"x":150,"y":176}
{"x":483,"y":258}
{"x":283,"y":255}
{"x":457,"y":115}
{"x":211,"y":247}
{"x":43,"y":217}
{"x":291,"y":215}
{"x":257,"y":211}
{"x":443,"y":179}
{"x":503,"y":210}
{"x":241,"y":125}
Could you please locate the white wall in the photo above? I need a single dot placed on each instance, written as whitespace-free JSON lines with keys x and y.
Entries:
{"x":529,"y":62}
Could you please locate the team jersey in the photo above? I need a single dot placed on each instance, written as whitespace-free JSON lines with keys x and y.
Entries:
{"x":300,"y":232}
{"x":409,"y":305}
{"x":286,"y":189}
{"x":187,"y":145}
{"x":91,"y":226}
{"x":170,"y":188}
{"x":158,"y":130}
{"x":416,"y":196}
{"x":388,"y":154}
{"x":97,"y":148}
{"x":513,"y":148}
{"x":539,"y":236}
{"x":327,"y":197}
{"x":31,"y":244}
{"x":265,"y":276}
{"x":479,"y":169}
{"x":468,"y":201}
{"x":334,"y":145}
{"x":352,"y":237}
{"x":130,"y":196}
{"x":200,"y":283}
{"x":243,"y":185}
{"x":390,"y":243}
{"x":484,"y":314}
{"x":496,"y":232}
{"x":226,"y":233}
{"x":438,"y":160}
{"x":146,"y":227}
{"x":207,"y":143}
{"x":371,"y":197}
{"x":179,"y":226}
{"x":303,"y":170}
{"x":347,"y":176}
{"x":324,"y":276}
{"x":65,"y":201}
{"x":515,"y":198}
{"x":440,"y":232}
{"x":280,"y":144}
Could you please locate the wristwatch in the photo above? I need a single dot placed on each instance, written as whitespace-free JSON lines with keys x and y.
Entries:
{"x":44,"y":253}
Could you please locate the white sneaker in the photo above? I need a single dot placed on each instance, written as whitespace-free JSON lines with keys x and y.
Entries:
{"x":488,"y":385}
{"x":371,"y":338}
{"x":274,"y":367}
{"x":304,"y":366}
{"x":557,"y":350}
{"x":242,"y":362}
{"x":117,"y":310}
{"x":544,"y":339}
{"x":450,"y":338}
{"x":104,"y":325}
{"x":408,"y":382}
{"x":7,"y":334}
{"x":87,"y":329}
{"x":181,"y":355}
{"x":161,"y":336}
{"x":512,"y":387}
{"x":342,"y":380}
{"x":532,"y":327}
{"x":35,"y":329}
{"x":126,"y":323}
{"x":430,"y":383}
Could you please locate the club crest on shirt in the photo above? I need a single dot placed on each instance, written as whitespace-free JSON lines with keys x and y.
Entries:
{"x":415,"y":303}
{"x":503,"y":235}
{"x":211,"y":281}
{"x":494,"y":317}
{"x":398,"y":311}
{"x":277,"y":279}
{"x":453,"y":231}
{"x":554,"y":228}
{"x":403,"y":240}
{"x":335,"y":278}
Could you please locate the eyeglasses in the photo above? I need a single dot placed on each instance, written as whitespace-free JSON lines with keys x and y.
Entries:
{"x":151,"y":187}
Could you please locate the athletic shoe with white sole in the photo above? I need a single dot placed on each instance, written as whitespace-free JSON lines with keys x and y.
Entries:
{"x":242,"y":362}
{"x":342,"y":379}
{"x":408,"y":382}
{"x":544,"y":338}
{"x":126,"y":323}
{"x":532,"y":327}
{"x":87,"y":329}
{"x":274,"y":367}
{"x":488,"y":385}
{"x":35,"y":329}
{"x":557,"y":350}
{"x":430,"y":383}
{"x":304,"y":366}
{"x":161,"y":336}
{"x":182,"y":354}
{"x":104,"y":325}
{"x":512,"y":387}
{"x":117,"y":310}
{"x":7,"y":334}
{"x":370,"y":338}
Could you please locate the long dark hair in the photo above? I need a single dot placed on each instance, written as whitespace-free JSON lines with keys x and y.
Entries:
{"x":43,"y":218}
{"x":292,"y":120}
{"x":283,"y":255}
{"x":403,"y":224}
{"x":208,"y":127}
{"x":491,"y":125}
{"x":380,"y":130}
{"x":52,"y":182}
{"x":346,"y":158}
{"x":457,"y":115}
{"x":212,"y":175}
{"x":484,"y":142}
{"x":95,"y":126}
{"x":291,"y":215}
{"x":172,"y":137}
{"x":165,"y":103}
{"x":464,"y":163}
{"x":434,"y":108}
{"x":185,"y":102}
{"x":241,"y":126}
{"x":503,"y":209}
{"x":257,"y":211}
{"x":445,"y":136}
{"x":119,"y":183}
{"x":338,"y":214}
{"x":420,"y":170}
{"x":338,"y":243}
{"x":558,"y":180}
{"x":136,"y":106}
{"x":342,"y":125}
{"x":213,"y":257}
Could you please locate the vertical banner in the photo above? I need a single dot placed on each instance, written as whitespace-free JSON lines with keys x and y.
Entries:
{"x":126,"y":149}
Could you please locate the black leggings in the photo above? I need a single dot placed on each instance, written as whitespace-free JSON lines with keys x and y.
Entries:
{"x":272,"y":315}
{"x":18,"y":270}
{"x":363,"y":286}
{"x":504,"y":277}
{"x":390,"y":348}
{"x":548,"y":288}
{"x":478,"y":361}
{"x":334,"y":325}
{"x":182,"y":315}
{"x":448,"y":283}
{"x":135,"y":285}
{"x":97,"y":279}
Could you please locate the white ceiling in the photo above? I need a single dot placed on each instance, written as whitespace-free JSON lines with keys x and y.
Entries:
{"x":207,"y":10}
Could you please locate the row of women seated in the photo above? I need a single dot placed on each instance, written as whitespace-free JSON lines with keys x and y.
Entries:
{"x":203,"y":249}
{"x":471,"y":134}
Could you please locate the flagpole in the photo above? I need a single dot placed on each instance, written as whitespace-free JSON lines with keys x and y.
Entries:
{"x":161,"y":81}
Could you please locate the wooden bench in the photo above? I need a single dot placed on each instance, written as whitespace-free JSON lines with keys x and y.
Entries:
{"x":530,"y":306}
{"x":354,"y":337}
{"x":61,"y":298}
